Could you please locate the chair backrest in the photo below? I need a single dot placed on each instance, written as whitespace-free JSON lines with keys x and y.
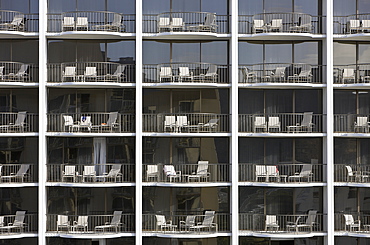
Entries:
{"x":182,"y":121}
{"x":210,"y":19}
{"x":276,"y":23}
{"x":85,"y":121}
{"x":258,"y":23}
{"x":306,"y":170}
{"x":272,"y":170}
{"x":261,"y":170}
{"x":190,"y":220}
{"x":82,"y":220}
{"x":177,"y":22}
{"x":349,"y":170}
{"x":259,"y":121}
{"x":274,"y":121}
{"x":70,"y":170}
{"x":90,"y":71}
{"x":362,"y":121}
{"x":82,"y":21}
{"x":17,"y":20}
{"x":184,"y":71}
{"x":19,"y":218}
{"x":1,"y":220}
{"x":117,"y":20}
{"x":68,"y":120}
{"x":62,"y":220}
{"x":169,"y":120}
{"x":112,"y":118}
{"x":22,"y":70}
{"x":270,"y":220}
{"x":212,"y":70}
{"x":68,"y":21}
{"x":165,"y":71}
{"x":307,"y":119}
{"x":348,"y":72}
{"x":169,"y":170}
{"x":354,"y":23}
{"x":349,"y":219}
{"x":20,"y":118}
{"x":89,"y":170}
{"x":202,"y":168}
{"x":213,"y":122}
{"x":305,"y":73}
{"x":279,"y":71}
{"x":116,"y":220}
{"x":120,"y":69}
{"x":113,"y":173}
{"x":208,"y":218}
{"x":164,"y":21}
{"x":365,"y":23}
{"x":69,"y":71}
{"x":152,"y":170}
{"x":161,"y":219}
{"x":23,"y":169}
{"x":1,"y":70}
{"x":311,"y":217}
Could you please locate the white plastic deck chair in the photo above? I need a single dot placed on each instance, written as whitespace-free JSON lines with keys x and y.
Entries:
{"x":189,"y":222}
{"x":276,"y":25}
{"x":1,"y":72}
{"x":18,"y":222}
{"x":272,"y":172}
{"x":115,"y":25}
{"x":348,"y":75}
{"x":81,"y":223}
{"x":211,"y":125}
{"x":201,"y":173}
{"x":163,"y":224}
{"x":182,"y":123}
{"x":85,"y":123}
{"x":82,"y":24}
{"x":304,"y":25}
{"x":209,"y":23}
{"x":114,"y":225}
{"x":309,"y":223}
{"x":273,"y":123}
{"x":152,"y":172}
{"x":305,"y":173}
{"x":260,"y":123}
{"x":361,"y":124}
{"x":353,"y":26}
{"x":177,"y":24}
{"x":351,"y":223}
{"x":207,"y":223}
{"x":171,"y":173}
{"x":17,"y":24}
{"x":113,"y":175}
{"x":89,"y":173}
{"x":211,"y":74}
{"x":20,"y":175}
{"x":249,"y":76}
{"x":306,"y":123}
{"x":163,"y":24}
{"x":278,"y":75}
{"x":68,"y":24}
{"x":18,"y":125}
{"x":271,"y":223}
{"x":304,"y":76}
{"x":185,"y":74}
{"x":69,"y":172}
{"x":90,"y":73}
{"x":261,"y":172}
{"x":111,"y":122}
{"x":118,"y":75}
{"x":69,"y":72}
{"x":20,"y":75}
{"x":365,"y":27}
{"x":356,"y":176}
{"x":63,"y":222}
{"x":165,"y":73}
{"x":258,"y":26}
{"x":68,"y":123}
{"x":169,"y":123}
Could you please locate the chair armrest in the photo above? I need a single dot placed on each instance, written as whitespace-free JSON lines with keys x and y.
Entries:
{"x":182,"y":222}
{"x":178,"y":172}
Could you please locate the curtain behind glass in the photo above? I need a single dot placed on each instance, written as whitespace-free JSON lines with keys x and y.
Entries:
{"x":279,"y":101}
{"x":344,"y":102}
{"x":345,"y":151}
{"x":100,"y":154}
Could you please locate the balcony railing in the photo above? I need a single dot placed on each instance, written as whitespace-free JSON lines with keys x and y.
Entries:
{"x":352,"y":24}
{"x":22,"y":122}
{"x":281,"y":123}
{"x":92,"y":173}
{"x":281,"y":173}
{"x":187,"y":173}
{"x":92,"y":224}
{"x":29,"y":225}
{"x":92,"y":122}
{"x":186,"y":123}
{"x":18,"y":72}
{"x":91,"y":21}
{"x":17,"y":21}
{"x":277,"y":223}
{"x":351,"y":123}
{"x":186,"y":22}
{"x":186,"y":73}
{"x":221,"y":223}
{"x":91,"y":72}
{"x":352,"y":173}
{"x":352,"y":222}
{"x":351,"y":74}
{"x":281,"y":73}
{"x":18,"y":173}
{"x":280,"y":23}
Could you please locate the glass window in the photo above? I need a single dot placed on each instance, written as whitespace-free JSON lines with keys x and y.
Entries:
{"x":363,"y":6}
{"x":344,"y":102}
{"x":278,"y":53}
{"x":344,"y":53}
{"x":250,"y":53}
{"x":185,"y":52}
{"x":156,"y":6}
{"x":281,"y":6}
{"x":306,"y":52}
{"x":345,"y":151}
{"x":122,"y":6}
{"x":91,"y":5}
{"x":364,"y":53}
{"x":344,"y":7}
{"x":345,"y":199}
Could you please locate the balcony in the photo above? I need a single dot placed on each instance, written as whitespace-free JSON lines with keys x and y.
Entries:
{"x":186,"y":24}
{"x":186,"y":123}
{"x":281,"y":173}
{"x":92,"y":174}
{"x":352,"y":173}
{"x":16,"y":73}
{"x":21,"y":122}
{"x":352,"y":222}
{"x":22,"y":229}
{"x":91,"y":21}
{"x":281,"y":123}
{"x":91,"y":225}
{"x":186,"y":74}
{"x":356,"y":24}
{"x":286,"y":74}
{"x":297,"y":24}
{"x":94,"y":122}
{"x":91,"y":73}
{"x":201,"y":173}
{"x":17,"y":23}
{"x":351,"y":123}
{"x":18,"y":174}
{"x":352,"y":75}
{"x":303,"y":225}
{"x":188,"y":224}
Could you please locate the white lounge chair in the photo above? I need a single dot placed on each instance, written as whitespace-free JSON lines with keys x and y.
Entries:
{"x":273,"y":123}
{"x":271,"y":223}
{"x":89,"y":173}
{"x":115,"y":25}
{"x":152,"y":172}
{"x":308,"y":224}
{"x":81,"y":224}
{"x":303,"y":25}
{"x":19,"y":176}
{"x":69,"y":172}
{"x":260,"y":123}
{"x":17,"y":24}
{"x":113,"y":175}
{"x":163,"y":224}
{"x":169,"y":123}
{"x":209,"y":24}
{"x":211,"y":125}
{"x":18,"y":223}
{"x":165,"y":74}
{"x":82,"y":24}
{"x":278,"y":75}
{"x":68,"y":24}
{"x":361,"y":124}
{"x":353,"y":26}
{"x":185,"y":74}
{"x":63,"y":222}
{"x":171,"y":173}
{"x":303,"y":76}
{"x":163,"y":24}
{"x":20,"y":75}
{"x":207,"y":223}
{"x":305,"y":125}
{"x":111,"y":123}
{"x":201,"y":173}
{"x":189,"y":222}
{"x":211,"y":75}
{"x":305,"y":173}
{"x":69,"y":73}
{"x":118,"y":75}
{"x":258,"y":26}
{"x":18,"y":126}
{"x":114,"y":225}
{"x":351,"y":223}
